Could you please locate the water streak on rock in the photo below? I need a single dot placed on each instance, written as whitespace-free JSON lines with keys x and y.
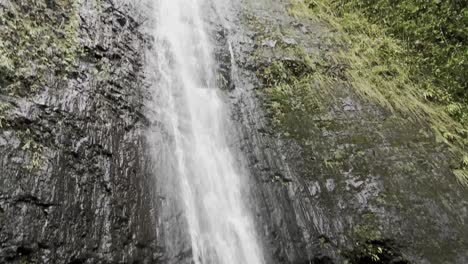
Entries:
{"x":209,"y":181}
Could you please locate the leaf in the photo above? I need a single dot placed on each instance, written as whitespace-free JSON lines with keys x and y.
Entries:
{"x":465,"y":161}
{"x":462,"y":177}
{"x":27,"y":145}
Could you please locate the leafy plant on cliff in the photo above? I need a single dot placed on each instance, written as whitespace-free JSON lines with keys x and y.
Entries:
{"x":435,"y":36}
{"x":380,"y":66}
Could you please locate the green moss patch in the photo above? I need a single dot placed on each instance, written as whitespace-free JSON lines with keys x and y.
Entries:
{"x":33,"y":149}
{"x":376,"y":252}
{"x":300,"y":83}
{"x":37,"y":39}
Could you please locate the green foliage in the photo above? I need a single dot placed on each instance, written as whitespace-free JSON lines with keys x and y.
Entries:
{"x":462,"y":176}
{"x":24,"y":260}
{"x":373,"y":251}
{"x":368,"y":229}
{"x":35,"y":150}
{"x":369,"y":245}
{"x":290,"y":86}
{"x":435,"y":34}
{"x":387,"y":69}
{"x":432,"y":33}
{"x":37,"y":38}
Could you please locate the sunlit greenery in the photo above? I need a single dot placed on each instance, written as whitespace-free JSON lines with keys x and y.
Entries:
{"x":388,"y":66}
{"x":435,"y":36}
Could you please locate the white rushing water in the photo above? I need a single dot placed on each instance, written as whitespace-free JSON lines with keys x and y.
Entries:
{"x":209,"y":179}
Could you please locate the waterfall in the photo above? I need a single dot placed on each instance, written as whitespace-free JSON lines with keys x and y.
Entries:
{"x":210,"y":183}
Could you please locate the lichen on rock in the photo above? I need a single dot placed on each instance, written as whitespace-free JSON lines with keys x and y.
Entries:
{"x":38,"y":39}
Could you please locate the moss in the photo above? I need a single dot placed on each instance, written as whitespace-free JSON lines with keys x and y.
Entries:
{"x":368,"y":229}
{"x":290,"y":83}
{"x":298,"y":83}
{"x":370,"y":247}
{"x":38,"y":44}
{"x":378,"y":251}
{"x":24,"y":260}
{"x":333,"y":164}
{"x":102,"y":70}
{"x":33,"y":149}
{"x":324,"y":241}
{"x":339,"y":154}
{"x":3,"y":109}
{"x":37,"y":36}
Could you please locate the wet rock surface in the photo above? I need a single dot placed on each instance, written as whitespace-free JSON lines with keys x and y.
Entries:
{"x":355,"y":184}
{"x":351,"y":182}
{"x":75,"y":185}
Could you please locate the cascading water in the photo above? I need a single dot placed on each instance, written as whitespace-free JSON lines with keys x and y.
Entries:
{"x":208,"y":179}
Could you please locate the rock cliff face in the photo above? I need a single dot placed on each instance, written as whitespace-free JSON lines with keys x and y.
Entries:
{"x":351,"y":183}
{"x":74,"y":177}
{"x":344,"y":180}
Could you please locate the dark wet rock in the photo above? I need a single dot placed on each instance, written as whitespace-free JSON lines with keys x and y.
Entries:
{"x":355,"y":183}
{"x":352,"y":182}
{"x":222,"y":55}
{"x":75,"y":180}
